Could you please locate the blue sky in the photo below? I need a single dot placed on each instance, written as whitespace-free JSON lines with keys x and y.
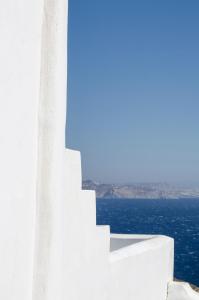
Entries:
{"x":133,"y":89}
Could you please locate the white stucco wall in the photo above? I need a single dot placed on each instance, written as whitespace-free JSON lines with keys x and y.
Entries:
{"x":48,"y":256}
{"x":181,"y":291}
{"x":20,"y":32}
{"x":141,"y":270}
{"x":49,"y":242}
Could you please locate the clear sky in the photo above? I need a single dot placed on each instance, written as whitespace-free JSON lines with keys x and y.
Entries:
{"x":133,"y":89}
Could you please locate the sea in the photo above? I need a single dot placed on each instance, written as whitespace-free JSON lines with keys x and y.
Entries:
{"x":175,"y":218}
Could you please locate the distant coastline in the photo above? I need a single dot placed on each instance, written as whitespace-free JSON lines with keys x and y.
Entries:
{"x":140,"y":191}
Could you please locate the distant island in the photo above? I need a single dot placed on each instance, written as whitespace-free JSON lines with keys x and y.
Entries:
{"x":140,"y":190}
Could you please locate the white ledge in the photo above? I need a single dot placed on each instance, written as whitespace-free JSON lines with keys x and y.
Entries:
{"x":181,"y":291}
{"x":126,"y":245}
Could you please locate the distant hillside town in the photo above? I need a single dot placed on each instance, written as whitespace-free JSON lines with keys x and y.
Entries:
{"x":140,"y":191}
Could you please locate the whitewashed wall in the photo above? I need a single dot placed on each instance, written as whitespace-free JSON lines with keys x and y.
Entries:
{"x":141,"y":270}
{"x":20,"y":47}
{"x":181,"y":291}
{"x":50,"y":246}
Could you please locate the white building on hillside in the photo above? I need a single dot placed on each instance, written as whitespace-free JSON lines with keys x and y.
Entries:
{"x":50,"y":246}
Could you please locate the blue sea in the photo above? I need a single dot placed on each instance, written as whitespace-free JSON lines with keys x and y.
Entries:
{"x":176,"y":218}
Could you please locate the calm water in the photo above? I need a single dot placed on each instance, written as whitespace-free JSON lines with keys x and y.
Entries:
{"x":176,"y":218}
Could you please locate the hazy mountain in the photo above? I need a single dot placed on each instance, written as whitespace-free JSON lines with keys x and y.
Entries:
{"x":140,"y":190}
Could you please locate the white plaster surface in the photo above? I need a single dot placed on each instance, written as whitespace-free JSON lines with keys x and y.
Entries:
{"x":50,"y":246}
{"x":143,"y":269}
{"x":20,"y":32}
{"x":181,"y":291}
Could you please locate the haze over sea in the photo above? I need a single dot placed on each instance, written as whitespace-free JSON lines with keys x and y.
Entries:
{"x":176,"y":218}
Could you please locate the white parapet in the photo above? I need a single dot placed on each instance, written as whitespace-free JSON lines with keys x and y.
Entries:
{"x":141,"y":267}
{"x":181,"y":291}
